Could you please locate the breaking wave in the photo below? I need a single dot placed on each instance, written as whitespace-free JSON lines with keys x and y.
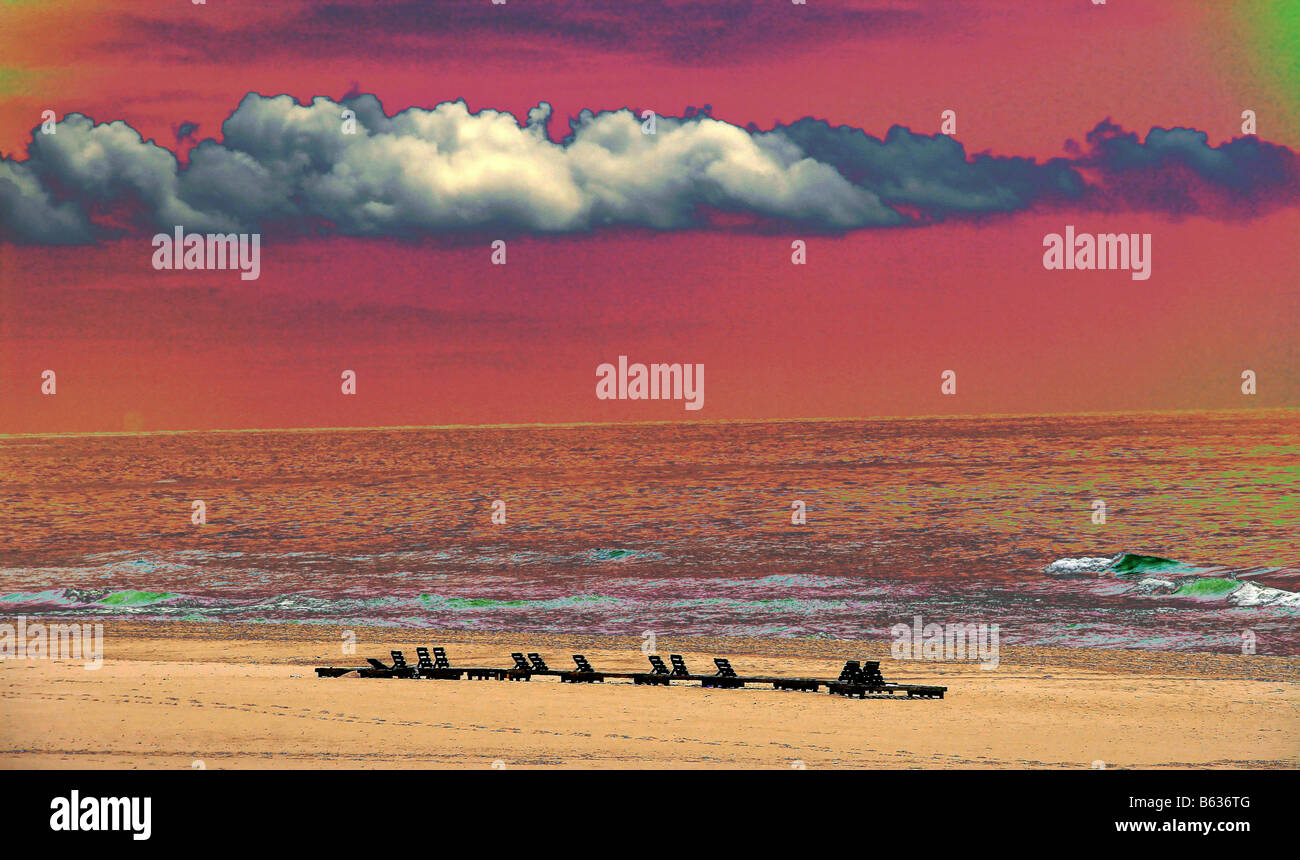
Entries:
{"x":1155,"y":575}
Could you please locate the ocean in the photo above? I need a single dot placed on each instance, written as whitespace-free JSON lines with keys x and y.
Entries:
{"x":681,"y":528}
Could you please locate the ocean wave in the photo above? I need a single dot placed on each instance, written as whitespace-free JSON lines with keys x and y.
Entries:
{"x":1251,"y":594}
{"x":1156,"y":576}
{"x":1083,"y":565}
{"x":1121,"y":564}
{"x":84,"y":597}
{"x":1132,"y":562}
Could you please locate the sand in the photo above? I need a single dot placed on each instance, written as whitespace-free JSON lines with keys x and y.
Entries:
{"x":183,"y":695}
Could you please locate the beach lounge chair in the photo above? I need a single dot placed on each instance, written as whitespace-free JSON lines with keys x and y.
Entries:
{"x":863,"y":679}
{"x":851,"y":681}
{"x":438,"y":667}
{"x":725,"y":678}
{"x":876,"y":683}
{"x":399,"y":669}
{"x":336,"y":671}
{"x":657,"y":676}
{"x":376,"y":670}
{"x":871,"y":676}
{"x":539,"y":666}
{"x":584,"y":674}
{"x":521,"y":671}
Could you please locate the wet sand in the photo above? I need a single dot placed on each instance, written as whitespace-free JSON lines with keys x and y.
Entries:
{"x":182,"y":695}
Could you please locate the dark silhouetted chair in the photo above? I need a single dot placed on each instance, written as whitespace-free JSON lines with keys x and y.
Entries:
{"x":438,"y":667}
{"x":725,"y":678}
{"x":521,"y":671}
{"x":657,"y":676}
{"x":852,"y":681}
{"x":400,"y":668}
{"x":376,"y":670}
{"x":584,"y":675}
{"x":871,"y":675}
{"x":336,"y":671}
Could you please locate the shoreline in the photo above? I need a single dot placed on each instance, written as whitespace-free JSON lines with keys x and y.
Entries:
{"x":170,"y":694}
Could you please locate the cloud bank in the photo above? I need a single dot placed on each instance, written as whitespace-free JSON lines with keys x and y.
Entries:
{"x":285,"y":166}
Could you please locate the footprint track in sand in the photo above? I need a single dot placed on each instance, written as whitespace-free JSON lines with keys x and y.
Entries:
{"x":308,"y":713}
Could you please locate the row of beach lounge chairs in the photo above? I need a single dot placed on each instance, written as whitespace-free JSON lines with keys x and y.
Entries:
{"x":856,"y":678}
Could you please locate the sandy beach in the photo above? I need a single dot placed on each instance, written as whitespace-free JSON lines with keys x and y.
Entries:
{"x":189,"y":695}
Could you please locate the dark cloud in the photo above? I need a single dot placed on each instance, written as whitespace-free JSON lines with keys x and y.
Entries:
{"x":1177,"y":171}
{"x":678,"y":30}
{"x":932,"y":174}
{"x":185,"y":131}
{"x":281,"y":165}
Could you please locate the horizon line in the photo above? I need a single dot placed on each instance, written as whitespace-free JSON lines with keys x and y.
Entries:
{"x":570,"y":424}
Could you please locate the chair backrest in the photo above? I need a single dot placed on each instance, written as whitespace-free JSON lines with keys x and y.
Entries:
{"x":871,"y":672}
{"x":657,"y":663}
{"x":724,"y":667}
{"x":520,"y":662}
{"x":679,"y":665}
{"x":422,"y":658}
{"x":399,"y":661}
{"x":539,"y":665}
{"x":583,"y":665}
{"x":440,"y":658}
{"x":850,"y":672}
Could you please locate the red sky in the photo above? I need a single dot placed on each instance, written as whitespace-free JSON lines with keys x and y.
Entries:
{"x":437,"y":335}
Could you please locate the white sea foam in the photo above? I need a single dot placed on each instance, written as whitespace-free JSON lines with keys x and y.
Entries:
{"x":1085,"y":564}
{"x":1251,"y":594}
